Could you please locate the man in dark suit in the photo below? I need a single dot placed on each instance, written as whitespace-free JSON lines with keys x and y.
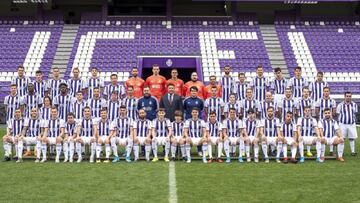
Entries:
{"x":171,"y":102}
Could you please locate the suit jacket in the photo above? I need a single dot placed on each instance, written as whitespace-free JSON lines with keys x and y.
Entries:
{"x":177,"y":104}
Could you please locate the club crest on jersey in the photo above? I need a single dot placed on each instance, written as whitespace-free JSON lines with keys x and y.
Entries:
{"x":169,"y":62}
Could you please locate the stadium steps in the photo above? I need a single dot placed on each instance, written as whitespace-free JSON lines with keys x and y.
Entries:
{"x":64,"y":48}
{"x":273,"y":48}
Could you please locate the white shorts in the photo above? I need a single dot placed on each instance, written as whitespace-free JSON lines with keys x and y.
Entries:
{"x":271,"y":140}
{"x":289,"y":140}
{"x":104,"y":138}
{"x":123,"y":141}
{"x":348,"y":130}
{"x":86,"y":140}
{"x":330,"y":141}
{"x":30,"y":140}
{"x":52,"y":140}
{"x":160,"y":140}
{"x":251,"y":138}
{"x":177,"y":138}
{"x":278,"y":98}
{"x":309,"y":140}
{"x":233,"y":140}
{"x":214,"y":140}
{"x":195,"y":140}
{"x":142,"y":140}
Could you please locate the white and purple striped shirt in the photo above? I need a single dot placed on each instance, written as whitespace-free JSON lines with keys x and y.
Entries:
{"x":122,"y":126}
{"x":307,"y":126}
{"x":34,"y":127}
{"x":278,"y":86}
{"x":87,"y":127}
{"x":21,"y":84}
{"x":214,"y":129}
{"x":236,"y":106}
{"x":177,"y":128}
{"x":54,"y":127}
{"x":75,"y":85}
{"x":45,"y":113}
{"x":142,"y":127}
{"x":11,"y":104}
{"x":227,"y":87}
{"x":288,"y":129}
{"x":77,"y":108}
{"x":96,"y":105}
{"x":113,"y":109}
{"x":161,"y":127}
{"x":249,"y":104}
{"x":260,"y":86}
{"x":297,"y":86}
{"x":91,"y":83}
{"x":265,"y":105}
{"x":195,"y":128}
{"x":328,"y":127}
{"x":104,"y":127}
{"x":70,"y":128}
{"x":54,"y":87}
{"x":251,"y":126}
{"x":270,"y":126}
{"x":131,"y":107}
{"x":240,"y":90}
{"x":31,"y":101}
{"x":323,"y":103}
{"x":233,"y":127}
{"x":110,"y":88}
{"x":214,"y":104}
{"x":15,"y":126}
{"x":40,"y":88}
{"x":347,"y":112}
{"x":302,"y":103}
{"x":317,"y":89}
{"x":63,"y":102}
{"x":286,"y":105}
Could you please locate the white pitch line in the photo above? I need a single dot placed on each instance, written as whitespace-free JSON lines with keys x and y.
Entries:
{"x":172,"y":183}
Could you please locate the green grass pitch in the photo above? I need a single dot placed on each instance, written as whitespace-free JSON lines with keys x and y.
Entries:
{"x":196,"y":182}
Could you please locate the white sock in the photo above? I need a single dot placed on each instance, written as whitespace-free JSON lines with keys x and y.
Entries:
{"x":293,"y":151}
{"x":72,"y":149}
{"x":16,"y":150}
{"x":154,"y":147}
{"x":107,"y":151}
{"x":340,"y":149}
{"x":278,"y":149}
{"x":210,"y":151}
{"x":44,"y":150}
{"x":233,"y":149}
{"x":9,"y":146}
{"x":78,"y":149}
{"x":136,"y":151}
{"x":227,"y":148}
{"x":256,"y":151}
{"x":173,"y":150}
{"x":114,"y":147}
{"x":183,"y":151}
{"x":323,"y":147}
{"x":20,"y":148}
{"x":58,"y":150}
{"x":187,"y":148}
{"x":318,"y":149}
{"x":308,"y":148}
{"x":38,"y":149}
{"x":147,"y":151}
{"x":204,"y":149}
{"x":98,"y":150}
{"x":352,"y":145}
{"x":285,"y":150}
{"x":129,"y":146}
{"x":220,"y":146}
{"x":301,"y":148}
{"x":167,"y":148}
{"x":28,"y":148}
{"x":272,"y":147}
{"x":93,"y":149}
{"x":331,"y":148}
{"x":265,"y":149}
{"x":241,"y":148}
{"x":66,"y":150}
{"x":247,"y":151}
{"x":5,"y":145}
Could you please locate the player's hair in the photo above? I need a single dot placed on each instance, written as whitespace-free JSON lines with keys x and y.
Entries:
{"x":13,"y":85}
{"x":232,"y":109}
{"x":86,"y":107}
{"x":76,"y":68}
{"x":326,"y":109}
{"x":71,"y":114}
{"x":298,"y":68}
{"x":241,"y":73}
{"x":212,"y":113}
{"x":21,"y":67}
{"x":227,"y":65}
{"x":277,"y":70}
{"x":251,"y":110}
{"x":38,"y":72}
{"x":122,"y":107}
{"x":178,"y":113}
{"x":213,"y":87}
{"x":79,"y":92}
{"x":194,"y":88}
{"x":196,"y":109}
{"x":161,"y":109}
{"x":170,"y":84}
{"x":289,"y":112}
{"x":259,"y":66}
{"x":288,"y":88}
{"x":174,"y":69}
{"x":54,"y":107}
{"x":232,"y":94}
{"x":93,"y":68}
{"x":134,"y":68}
{"x":55,"y":68}
{"x":146,"y":86}
{"x":130,"y":86}
{"x":98,"y":88}
{"x":320,"y":73}
{"x":115,"y":92}
{"x":347,"y":92}
{"x":47,"y":97}
{"x":212,"y":76}
{"x":113,"y":75}
{"x":307,"y":107}
{"x":103,"y":109}
{"x":326,"y":88}
{"x":270,"y":107}
{"x":155,"y":65}
{"x":305,"y":87}
{"x":248,"y":89}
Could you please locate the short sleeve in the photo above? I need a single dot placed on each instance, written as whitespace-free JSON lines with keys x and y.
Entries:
{"x":187,"y":123}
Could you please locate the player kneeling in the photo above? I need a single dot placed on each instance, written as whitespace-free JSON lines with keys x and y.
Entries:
{"x":214,"y":132}
{"x":330,"y":135}
{"x":86,"y":131}
{"x":176,"y":135}
{"x":270,"y":134}
{"x":103,"y":136}
{"x":121,"y":133}
{"x":14,"y":131}
{"x":69,"y":139}
{"x":142,"y":135}
{"x":252,"y":131}
{"x":161,"y":127}
{"x":195,"y":134}
{"x":288,"y":133}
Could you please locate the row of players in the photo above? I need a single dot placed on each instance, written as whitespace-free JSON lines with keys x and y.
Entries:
{"x":124,"y":131}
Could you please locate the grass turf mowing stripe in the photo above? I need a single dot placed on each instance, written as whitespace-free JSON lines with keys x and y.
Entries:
{"x":172,"y":183}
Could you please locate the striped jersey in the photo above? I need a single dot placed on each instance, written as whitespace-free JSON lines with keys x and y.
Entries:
{"x":260,"y":86}
{"x":21,"y":84}
{"x":251,"y":126}
{"x":302,"y":103}
{"x":317,"y":88}
{"x":104,"y":127}
{"x":233,"y":127}
{"x":307,"y":125}
{"x":288,"y":129}
{"x":122,"y":126}
{"x":161,"y":127}
{"x":15,"y":126}
{"x":142,"y":127}
{"x":195,"y":127}
{"x":110,"y":88}
{"x":54,"y":87}
{"x":113,"y":109}
{"x":328,"y":127}
{"x":45,"y":113}
{"x":75,"y":85}
{"x":77,"y":108}
{"x":87,"y":127}
{"x":214,"y":104}
{"x":95,"y":106}
{"x":91,"y":83}
{"x":230,"y":105}
{"x":131,"y":107}
{"x":54,"y":127}
{"x":347,"y":112}
{"x":63,"y":103}
{"x":286,"y":105}
{"x":214,"y":129}
{"x":70,"y":128}
{"x":11,"y":104}
{"x":264,"y":105}
{"x":31,"y":101}
{"x":323,"y":103}
{"x":227,"y":87}
{"x":40,"y":88}
{"x":34,"y":127}
{"x":177,"y":128}
{"x":270,"y":126}
{"x":278,"y":86}
{"x":249,"y":104}
{"x":297,"y":86}
{"x":240,"y":90}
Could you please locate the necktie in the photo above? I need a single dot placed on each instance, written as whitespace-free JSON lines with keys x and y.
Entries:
{"x":170,"y":98}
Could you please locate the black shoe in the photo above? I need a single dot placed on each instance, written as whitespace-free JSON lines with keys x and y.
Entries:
{"x":294,"y":161}
{"x":184,"y":158}
{"x":172,"y":159}
{"x":6,"y":159}
{"x":353,"y":154}
{"x":273,"y":153}
{"x":285,"y":161}
{"x":331,"y":154}
{"x":16,"y":158}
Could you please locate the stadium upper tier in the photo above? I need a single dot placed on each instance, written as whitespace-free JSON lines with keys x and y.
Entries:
{"x":114,"y":47}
